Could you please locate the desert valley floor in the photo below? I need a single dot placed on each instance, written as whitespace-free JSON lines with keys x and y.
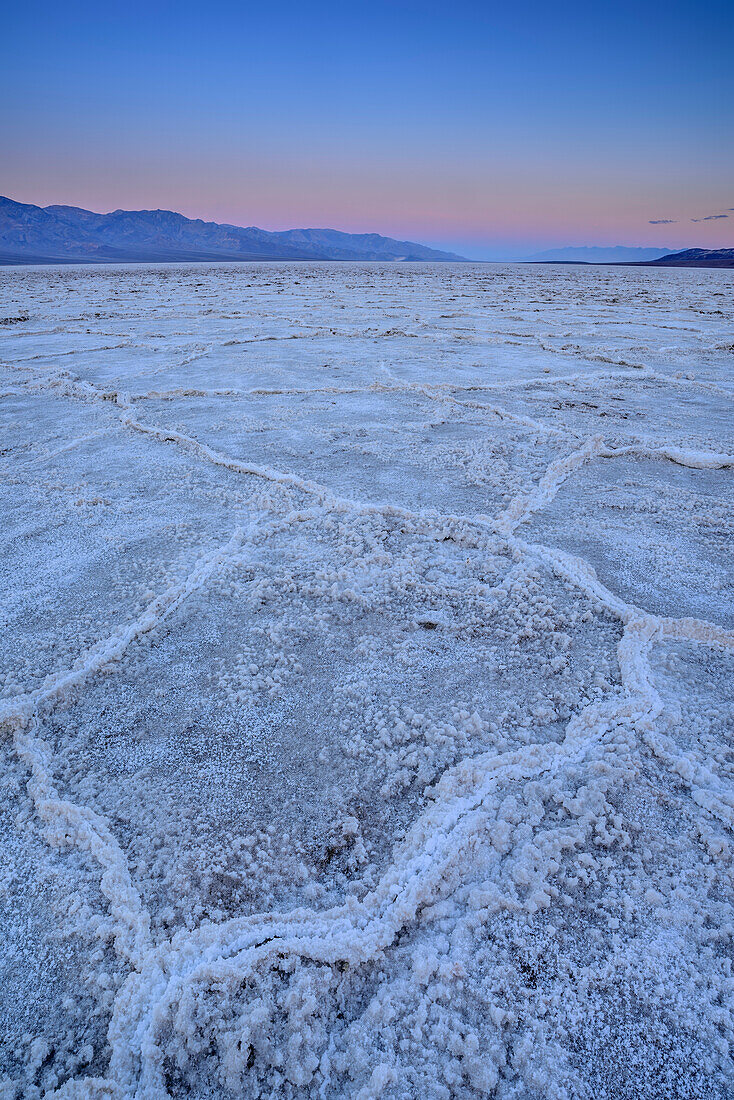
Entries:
{"x":366,"y":679}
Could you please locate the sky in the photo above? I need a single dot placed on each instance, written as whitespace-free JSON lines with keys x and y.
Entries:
{"x":495,"y":130}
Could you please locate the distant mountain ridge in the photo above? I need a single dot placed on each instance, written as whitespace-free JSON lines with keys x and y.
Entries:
{"x":622,"y":256}
{"x":696,"y":257}
{"x":69,"y":234}
{"x":598,"y":254}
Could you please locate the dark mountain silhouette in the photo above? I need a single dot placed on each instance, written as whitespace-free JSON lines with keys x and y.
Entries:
{"x":696,"y":257}
{"x":691,"y":257}
{"x":68,"y":234}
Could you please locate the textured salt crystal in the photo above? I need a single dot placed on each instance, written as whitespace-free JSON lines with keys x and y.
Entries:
{"x":370,"y":717}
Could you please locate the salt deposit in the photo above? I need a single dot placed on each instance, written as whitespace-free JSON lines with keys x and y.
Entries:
{"x":366,"y":682}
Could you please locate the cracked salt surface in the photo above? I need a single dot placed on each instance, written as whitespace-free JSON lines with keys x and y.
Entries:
{"x":367,"y":680}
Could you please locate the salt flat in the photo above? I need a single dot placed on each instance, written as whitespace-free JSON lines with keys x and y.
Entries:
{"x":366,"y":682}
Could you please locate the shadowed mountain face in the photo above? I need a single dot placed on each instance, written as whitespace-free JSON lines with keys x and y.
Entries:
{"x":68,"y":234}
{"x":698,"y":257}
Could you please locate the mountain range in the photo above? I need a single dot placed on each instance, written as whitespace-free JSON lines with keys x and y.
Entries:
{"x":696,"y":257}
{"x":621,"y":256}
{"x":598,"y":254}
{"x":68,"y":234}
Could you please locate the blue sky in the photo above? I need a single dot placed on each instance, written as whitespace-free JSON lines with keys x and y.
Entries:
{"x":495,"y":130}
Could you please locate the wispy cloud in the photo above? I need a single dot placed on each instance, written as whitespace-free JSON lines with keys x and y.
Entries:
{"x":711,"y":217}
{"x":662,"y":221}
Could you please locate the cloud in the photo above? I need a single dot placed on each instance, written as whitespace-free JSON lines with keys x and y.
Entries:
{"x":662,"y":221}
{"x":710,"y":218}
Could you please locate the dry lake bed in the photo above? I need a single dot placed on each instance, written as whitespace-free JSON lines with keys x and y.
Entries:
{"x":366,"y":676}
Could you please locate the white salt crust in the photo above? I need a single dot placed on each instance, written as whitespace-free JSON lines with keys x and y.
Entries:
{"x":428,"y":980}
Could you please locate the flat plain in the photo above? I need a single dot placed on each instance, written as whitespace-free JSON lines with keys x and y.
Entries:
{"x":366,"y":682}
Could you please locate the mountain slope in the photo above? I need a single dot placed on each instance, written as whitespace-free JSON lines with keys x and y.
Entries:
{"x":638,"y":257}
{"x":598,"y":255}
{"x":697,"y":257}
{"x":69,"y":234}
